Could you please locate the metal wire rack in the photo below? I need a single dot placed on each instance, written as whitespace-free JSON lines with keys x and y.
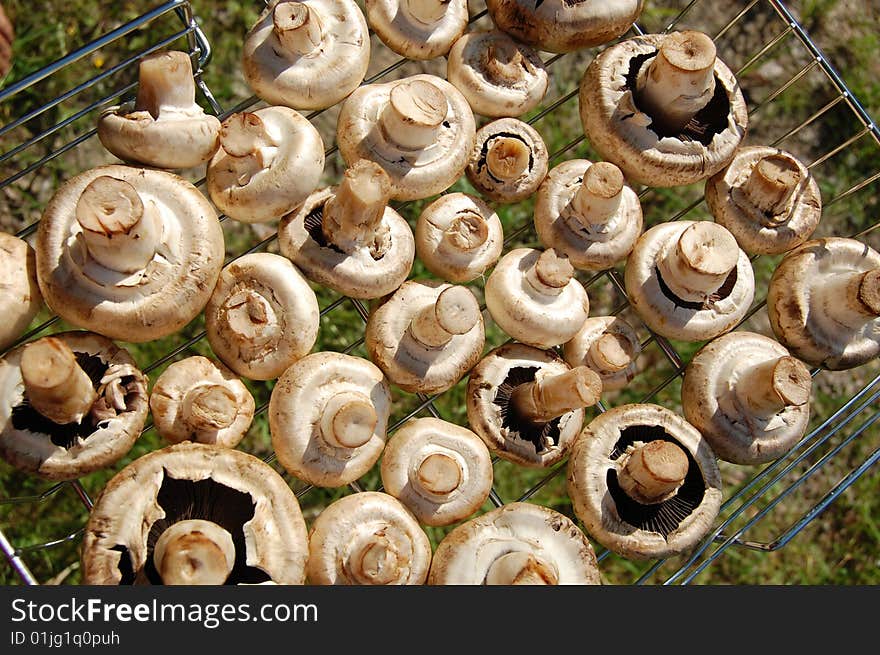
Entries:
{"x":752,"y":36}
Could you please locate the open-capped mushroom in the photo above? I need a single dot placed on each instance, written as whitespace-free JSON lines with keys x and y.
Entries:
{"x":262,"y":316}
{"x":509,"y":160}
{"x":689,"y":280}
{"x":748,"y":397}
{"x":534,"y":297}
{"x":72,"y":403}
{"x":164,"y":127}
{"x":368,"y":538}
{"x":328,"y":414}
{"x":517,"y":544}
{"x":418,"y":29}
{"x":440,"y":471}
{"x":589,"y":213}
{"x":306,"y":54}
{"x":195,"y":513}
{"x":347,"y":238}
{"x":420,"y":129}
{"x":268,"y":161}
{"x":664,"y":108}
{"x":824,"y":303}
{"x":527,"y":404}
{"x":609,"y":346}
{"x":644,"y":482}
{"x":20,"y":297}
{"x":458,"y":237}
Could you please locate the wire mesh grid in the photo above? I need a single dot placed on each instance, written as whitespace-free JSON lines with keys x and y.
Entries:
{"x":47,"y":133}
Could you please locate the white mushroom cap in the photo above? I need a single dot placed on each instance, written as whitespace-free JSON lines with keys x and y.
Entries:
{"x":589,"y":213}
{"x":239,"y":493}
{"x":824,"y":303}
{"x":440,"y":471}
{"x":165,"y":127}
{"x":418,"y":29}
{"x":458,"y":237}
{"x":20,"y":297}
{"x":420,"y":129}
{"x":83,"y":380}
{"x":368,"y":538}
{"x":517,"y":544}
{"x":328,"y":414}
{"x":262,"y":316}
{"x":609,"y":346}
{"x":639,"y":449}
{"x":269,"y":160}
{"x":767,"y":198}
{"x":197,"y":399}
{"x":689,"y":280}
{"x":534,"y":297}
{"x":306,"y":54}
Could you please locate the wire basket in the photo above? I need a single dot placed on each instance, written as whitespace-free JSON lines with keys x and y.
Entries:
{"x":796,"y":100}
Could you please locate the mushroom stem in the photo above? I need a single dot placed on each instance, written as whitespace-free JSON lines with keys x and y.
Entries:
{"x":165,"y":82}
{"x":439,"y":474}
{"x":551,"y":273}
{"x":599,"y":195}
{"x":772,"y":386}
{"x":353,"y":215}
{"x":771,"y":183}
{"x":54,"y":383}
{"x":415,"y":111}
{"x":194,"y":552}
{"x":374,"y":560}
{"x":243,"y":134}
{"x":848,"y":298}
{"x":610,"y":353}
{"x":209,"y":407}
{"x":456,"y":311}
{"x":508,"y":158}
{"x":426,"y":11}
{"x":700,"y":261}
{"x":520,"y":568}
{"x":250,"y":319}
{"x":467,"y":232}
{"x":550,"y":396}
{"x":504,"y":62}
{"x":297,"y":26}
{"x":348,"y":419}
{"x":653,"y":471}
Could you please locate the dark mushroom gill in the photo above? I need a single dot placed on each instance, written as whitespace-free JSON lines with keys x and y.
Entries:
{"x":519,"y":427}
{"x":723,"y":292}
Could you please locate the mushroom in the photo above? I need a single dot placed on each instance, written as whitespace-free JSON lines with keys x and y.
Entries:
{"x":517,"y":544}
{"x":458,"y":237}
{"x":368,"y":538}
{"x":442,"y":472}
{"x":748,"y":397}
{"x":607,"y":345}
{"x":498,"y":75}
{"x":306,"y":54}
{"x":418,"y":29}
{"x":70,"y":404}
{"x":328,"y":414}
{"x":426,"y":336}
{"x":664,"y":108}
{"x":164,"y":127}
{"x":195,"y":513}
{"x":347,"y":238}
{"x":262,"y":316}
{"x":197,"y":399}
{"x":563,"y":25}
{"x":527,"y":404}
{"x":20,"y":297}
{"x":268,"y":162}
{"x":129,"y":253}
{"x":823,"y":301}
{"x":509,"y":160}
{"x":589,"y":213}
{"x":534,"y":297}
{"x":689,"y":280}
{"x":767,"y":198}
{"x":644,"y":482}
{"x":420,"y":129}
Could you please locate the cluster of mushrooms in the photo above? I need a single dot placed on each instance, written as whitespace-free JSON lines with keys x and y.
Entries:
{"x":120,"y":245}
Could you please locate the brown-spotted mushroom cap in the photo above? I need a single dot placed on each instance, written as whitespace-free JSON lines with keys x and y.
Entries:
{"x":689,"y":280}
{"x":498,"y":75}
{"x":442,"y":472}
{"x":418,"y":29}
{"x":306,"y":54}
{"x":824,"y":303}
{"x":328,"y":414}
{"x":197,"y":399}
{"x":527,"y":404}
{"x":748,"y":397}
{"x":420,"y":129}
{"x":268,"y":161}
{"x":368,"y":538}
{"x":767,"y":198}
{"x":347,"y":238}
{"x":20,"y":297}
{"x":589,"y":213}
{"x":164,"y":127}
{"x":509,"y":160}
{"x":664,"y":108}
{"x":607,"y":345}
{"x":72,"y":403}
{"x":644,"y":482}
{"x":534,"y":297}
{"x":195,"y":513}
{"x":458,"y":237}
{"x":262,"y":316}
